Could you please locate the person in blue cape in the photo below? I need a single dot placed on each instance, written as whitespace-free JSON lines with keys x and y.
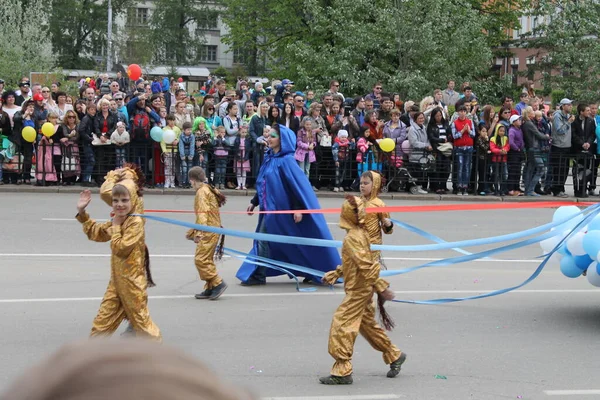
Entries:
{"x":281,"y":185}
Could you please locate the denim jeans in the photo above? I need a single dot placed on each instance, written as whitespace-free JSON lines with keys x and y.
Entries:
{"x":186,"y":164}
{"x":88,"y":164}
{"x":464,"y":156}
{"x":340,"y":172}
{"x":305,"y":166}
{"x":534,"y":169}
{"x":120,"y":155}
{"x":220,"y":169}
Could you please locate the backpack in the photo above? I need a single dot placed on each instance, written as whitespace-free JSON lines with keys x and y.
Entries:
{"x":140,"y":127}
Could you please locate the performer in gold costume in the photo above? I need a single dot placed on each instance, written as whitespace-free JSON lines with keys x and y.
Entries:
{"x":360,"y":271}
{"x":125,"y":295}
{"x":370,"y":187}
{"x":206,"y":205}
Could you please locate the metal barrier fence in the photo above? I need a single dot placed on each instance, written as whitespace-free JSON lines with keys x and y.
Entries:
{"x":434,"y":171}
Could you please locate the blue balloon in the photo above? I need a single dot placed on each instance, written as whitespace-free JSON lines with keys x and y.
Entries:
{"x":591,"y":243}
{"x":564,"y":212}
{"x":569,"y":268}
{"x":156,"y":134}
{"x":595,"y":224}
{"x":583,"y":262}
{"x":563,"y":250}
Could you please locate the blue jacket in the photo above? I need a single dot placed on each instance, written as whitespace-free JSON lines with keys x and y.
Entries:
{"x":187,"y":145}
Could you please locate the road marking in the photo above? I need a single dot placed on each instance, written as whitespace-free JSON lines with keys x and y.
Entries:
{"x":571,"y":392}
{"x":77,"y":255}
{"x":350,"y":397}
{"x":294,"y":293}
{"x":70,"y":219}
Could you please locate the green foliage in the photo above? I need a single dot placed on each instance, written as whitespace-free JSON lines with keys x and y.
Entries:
{"x":25,"y":46}
{"x":411,"y":46}
{"x":78,"y":29}
{"x":491,"y":90}
{"x":557,"y":96}
{"x":569,"y":47}
{"x":177,"y":30}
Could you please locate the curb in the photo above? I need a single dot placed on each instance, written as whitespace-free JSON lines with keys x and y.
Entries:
{"x":326,"y":195}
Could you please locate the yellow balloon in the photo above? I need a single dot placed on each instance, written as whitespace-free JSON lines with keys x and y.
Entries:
{"x":387,"y":145}
{"x":48,"y":129}
{"x":28,"y":134}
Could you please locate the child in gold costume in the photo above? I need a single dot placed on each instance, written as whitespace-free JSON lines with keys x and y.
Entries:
{"x":125,"y":296}
{"x":360,"y":271}
{"x":370,"y":187}
{"x":206,"y":205}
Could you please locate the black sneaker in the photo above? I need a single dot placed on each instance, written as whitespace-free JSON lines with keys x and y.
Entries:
{"x":204,"y":295}
{"x":396,"y":366}
{"x":218,"y":291}
{"x":336,"y":380}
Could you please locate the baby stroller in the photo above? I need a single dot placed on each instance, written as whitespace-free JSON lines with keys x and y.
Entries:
{"x":398,"y":176}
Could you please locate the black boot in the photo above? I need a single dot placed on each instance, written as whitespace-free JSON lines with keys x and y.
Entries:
{"x":336,"y":380}
{"x":204,"y":295}
{"x":396,"y":366}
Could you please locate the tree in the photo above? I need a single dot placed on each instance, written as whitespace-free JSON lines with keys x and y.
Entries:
{"x":568,"y":48}
{"x":79,"y":29}
{"x":177,"y":30}
{"x":25,"y":46}
{"x":411,"y":46}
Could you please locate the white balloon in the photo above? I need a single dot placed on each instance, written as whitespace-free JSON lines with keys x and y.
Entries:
{"x":575,"y":244}
{"x":549,"y":244}
{"x":169,"y":136}
{"x":592,"y":274}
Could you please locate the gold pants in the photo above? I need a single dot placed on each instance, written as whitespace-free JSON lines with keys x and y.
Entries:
{"x":204,"y":260}
{"x":357,"y":314}
{"x":124,"y":301}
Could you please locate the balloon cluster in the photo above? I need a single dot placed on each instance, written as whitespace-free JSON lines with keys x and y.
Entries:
{"x":581,"y":251}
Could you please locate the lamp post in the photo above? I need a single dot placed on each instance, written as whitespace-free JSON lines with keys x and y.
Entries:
{"x":109,"y":39}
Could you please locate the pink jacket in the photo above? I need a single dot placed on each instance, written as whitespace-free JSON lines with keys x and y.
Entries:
{"x":363,"y":147}
{"x":302,"y":144}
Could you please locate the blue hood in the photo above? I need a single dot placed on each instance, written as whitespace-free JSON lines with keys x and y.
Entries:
{"x":288,"y":140}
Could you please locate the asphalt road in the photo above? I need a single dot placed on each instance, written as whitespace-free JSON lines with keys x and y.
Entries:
{"x":528,"y":344}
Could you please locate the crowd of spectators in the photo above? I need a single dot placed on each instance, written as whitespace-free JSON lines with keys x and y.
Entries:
{"x":445,"y":143}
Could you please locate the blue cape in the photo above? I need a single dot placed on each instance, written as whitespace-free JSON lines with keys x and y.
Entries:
{"x":281,"y":185}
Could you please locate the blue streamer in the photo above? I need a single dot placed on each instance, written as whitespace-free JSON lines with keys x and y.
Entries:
{"x":338,"y":244}
{"x":426,"y":235}
{"x":589,"y":213}
{"x":276,"y":265}
{"x":534,"y":275}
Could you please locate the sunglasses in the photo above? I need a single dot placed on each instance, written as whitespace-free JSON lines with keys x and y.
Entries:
{"x":45,"y":91}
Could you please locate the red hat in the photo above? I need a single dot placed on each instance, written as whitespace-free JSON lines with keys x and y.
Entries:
{"x":38,"y":97}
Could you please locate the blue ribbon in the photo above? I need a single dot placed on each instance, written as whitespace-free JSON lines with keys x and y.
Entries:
{"x":338,"y":244}
{"x":429,"y":236}
{"x":284,"y":267}
{"x":534,"y":275}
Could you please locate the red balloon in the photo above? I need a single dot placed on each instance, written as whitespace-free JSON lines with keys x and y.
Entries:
{"x":180,"y":80}
{"x":134,"y":72}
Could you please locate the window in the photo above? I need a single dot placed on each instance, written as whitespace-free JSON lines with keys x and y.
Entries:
{"x":208,"y":21}
{"x":138,"y":16}
{"x":208,"y":53}
{"x":530,"y":60}
{"x":239,"y":56}
{"x":515,"y":61}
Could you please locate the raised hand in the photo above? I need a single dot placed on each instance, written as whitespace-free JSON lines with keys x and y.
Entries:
{"x":84,"y":199}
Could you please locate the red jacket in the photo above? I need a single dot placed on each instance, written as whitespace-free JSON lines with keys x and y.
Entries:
{"x":497,"y":156}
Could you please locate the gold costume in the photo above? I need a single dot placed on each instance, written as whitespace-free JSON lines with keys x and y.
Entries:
{"x":125,"y":295}
{"x":206,"y":206}
{"x":360,"y":271}
{"x":374,"y":221}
